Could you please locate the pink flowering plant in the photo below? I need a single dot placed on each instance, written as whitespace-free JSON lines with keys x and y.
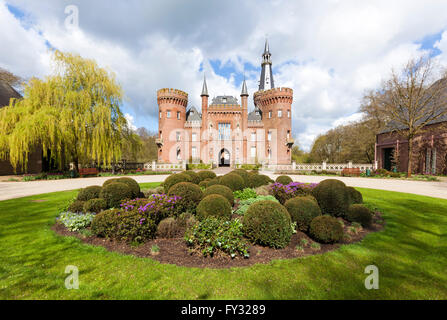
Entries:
{"x":291,"y":190}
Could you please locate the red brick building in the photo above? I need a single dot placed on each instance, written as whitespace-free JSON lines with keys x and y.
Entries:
{"x":224,"y":132}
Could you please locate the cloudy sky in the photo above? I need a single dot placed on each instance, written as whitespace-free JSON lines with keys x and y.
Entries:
{"x":328,"y":51}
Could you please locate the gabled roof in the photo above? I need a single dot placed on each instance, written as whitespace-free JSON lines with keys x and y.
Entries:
{"x":6,"y":93}
{"x":193,"y":115}
{"x":255,"y":115}
{"x":219,"y":100}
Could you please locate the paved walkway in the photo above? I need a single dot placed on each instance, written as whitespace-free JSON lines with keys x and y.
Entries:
{"x":11,"y":190}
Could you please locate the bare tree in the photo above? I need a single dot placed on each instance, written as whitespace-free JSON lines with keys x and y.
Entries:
{"x":411,"y":99}
{"x":10,"y":78}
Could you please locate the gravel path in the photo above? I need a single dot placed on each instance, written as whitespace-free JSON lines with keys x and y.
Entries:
{"x":11,"y":190}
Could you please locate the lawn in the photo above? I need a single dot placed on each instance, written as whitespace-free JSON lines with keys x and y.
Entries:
{"x":411,"y":254}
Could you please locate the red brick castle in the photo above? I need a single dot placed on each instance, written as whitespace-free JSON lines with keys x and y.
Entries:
{"x":225,"y":133}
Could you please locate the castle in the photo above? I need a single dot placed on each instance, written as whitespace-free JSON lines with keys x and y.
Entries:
{"x":225,"y":133}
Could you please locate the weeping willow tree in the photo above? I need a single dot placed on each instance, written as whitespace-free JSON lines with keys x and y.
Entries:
{"x":73,"y":114}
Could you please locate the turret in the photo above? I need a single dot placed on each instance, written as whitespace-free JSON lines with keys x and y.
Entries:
{"x":244,"y":105}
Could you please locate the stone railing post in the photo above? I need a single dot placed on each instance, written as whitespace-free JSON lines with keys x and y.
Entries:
{"x":293,"y":166}
{"x":350,"y":164}
{"x":154,"y":166}
{"x":324,"y":165}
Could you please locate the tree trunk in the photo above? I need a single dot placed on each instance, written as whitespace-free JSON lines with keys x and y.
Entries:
{"x":410,"y":156}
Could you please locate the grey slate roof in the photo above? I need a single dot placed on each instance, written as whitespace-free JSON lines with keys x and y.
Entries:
{"x":6,"y":93}
{"x":193,"y":115}
{"x":224,"y":100}
{"x":244,"y":90}
{"x":392,"y":125}
{"x":255,"y":115}
{"x":204,"y":88}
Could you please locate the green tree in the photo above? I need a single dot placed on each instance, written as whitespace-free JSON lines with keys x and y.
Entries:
{"x":74,"y":114}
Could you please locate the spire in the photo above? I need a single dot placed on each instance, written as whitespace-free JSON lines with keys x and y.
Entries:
{"x":244,"y":92}
{"x":266,"y":82}
{"x":204,"y":88}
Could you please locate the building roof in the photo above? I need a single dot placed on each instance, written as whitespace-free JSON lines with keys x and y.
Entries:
{"x":224,"y":100}
{"x":204,"y":88}
{"x":6,"y":93}
{"x":394,"y":126}
{"x":244,"y":92}
{"x":255,"y":115}
{"x":193,"y":115}
{"x":266,"y":82}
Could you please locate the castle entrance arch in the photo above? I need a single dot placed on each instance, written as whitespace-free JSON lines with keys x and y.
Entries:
{"x":224,"y":158}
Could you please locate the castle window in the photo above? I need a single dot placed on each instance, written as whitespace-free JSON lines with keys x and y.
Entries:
{"x":178,"y":115}
{"x":270,"y":154}
{"x":168,"y":114}
{"x":288,"y":134}
{"x":253,"y":152}
{"x":279,"y":113}
{"x":269,"y":136}
{"x":179,"y":156}
{"x":253,"y":136}
{"x":288,"y":113}
{"x":224,"y":131}
{"x":177,"y":136}
{"x":194,"y":152}
{"x":270,"y":114}
{"x":194,"y":137}
{"x":161,"y":115}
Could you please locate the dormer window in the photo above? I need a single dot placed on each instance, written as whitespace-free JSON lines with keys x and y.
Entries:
{"x":224,"y":100}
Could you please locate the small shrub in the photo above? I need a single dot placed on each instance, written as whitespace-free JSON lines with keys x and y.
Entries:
{"x":326,"y":229}
{"x":263,"y":190}
{"x":190,"y":195}
{"x":195,"y":178}
{"x":133,"y":227}
{"x":168,"y":229}
{"x":107,"y":182}
{"x":355,"y":197}
{"x":76,"y":206}
{"x":89,"y":193}
{"x":291,"y":190}
{"x":214,"y":205}
{"x":212,"y":182}
{"x":206,"y":174}
{"x":232,"y":181}
{"x":212,"y":237}
{"x":284,"y":180}
{"x":95,"y":205}
{"x":333,"y":197}
{"x":245,"y":194}
{"x":315,"y":246}
{"x":132,"y":184}
{"x":258,"y":180}
{"x":268,"y":223}
{"x":74,"y":221}
{"x":222,"y":190}
{"x":173,"y":179}
{"x":186,"y":220}
{"x":302,"y":210}
{"x":203,"y":184}
{"x":360,"y":214}
{"x":156,"y":208}
{"x":105,"y":223}
{"x":245,"y":204}
{"x":114,"y":193}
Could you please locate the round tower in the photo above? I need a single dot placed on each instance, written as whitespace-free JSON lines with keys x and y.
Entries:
{"x":276,"y":107}
{"x":171,"y":122}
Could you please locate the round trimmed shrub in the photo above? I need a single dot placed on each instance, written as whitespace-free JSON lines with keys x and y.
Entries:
{"x":195,"y":178}
{"x":333,"y":197}
{"x":302,"y":210}
{"x":222,"y":190}
{"x":326,"y":229}
{"x":214,"y":205}
{"x":132,"y":184}
{"x":284,"y":180}
{"x":76,"y":206}
{"x":95,"y":205}
{"x":190,"y":194}
{"x":104,"y":224}
{"x":107,"y":182}
{"x":202,"y":184}
{"x":244,"y":175}
{"x":206,"y":174}
{"x":355,"y":196}
{"x":212,"y":182}
{"x":361,"y":214}
{"x":174,"y":179}
{"x":114,"y":193}
{"x":232,"y":181}
{"x":89,"y":193}
{"x":268,"y":223}
{"x":258,"y":180}
{"x":167,"y":228}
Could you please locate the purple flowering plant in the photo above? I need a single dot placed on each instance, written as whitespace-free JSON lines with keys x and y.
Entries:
{"x":291,"y":190}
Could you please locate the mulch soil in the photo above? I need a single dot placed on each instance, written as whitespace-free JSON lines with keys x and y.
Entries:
{"x":175,"y":251}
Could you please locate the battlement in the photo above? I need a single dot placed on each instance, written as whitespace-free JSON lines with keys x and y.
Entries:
{"x":172,"y":96}
{"x":272,"y":96}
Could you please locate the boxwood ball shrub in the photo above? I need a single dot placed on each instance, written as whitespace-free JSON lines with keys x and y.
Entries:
{"x":302,"y":210}
{"x":222,"y":190}
{"x":212,"y":182}
{"x":361,"y":214}
{"x":195,"y":178}
{"x":95,"y":205}
{"x":76,"y":206}
{"x":333,"y":197}
{"x":268,"y":223}
{"x":190,"y":195}
{"x":105,"y":223}
{"x":232,"y":181}
{"x":214,"y":205}
{"x":174,"y":179}
{"x":167,"y":228}
{"x":326,"y":229}
{"x":354,"y":196}
{"x":202,"y":184}
{"x":132,"y":184}
{"x":284,"y":180}
{"x":258,"y":180}
{"x":114,"y":193}
{"x":89,"y":193}
{"x":132,"y":227}
{"x":243,"y":174}
{"x":107,"y":182}
{"x":206,"y":174}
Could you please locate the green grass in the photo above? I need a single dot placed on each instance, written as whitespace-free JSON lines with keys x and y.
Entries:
{"x":411,"y":254}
